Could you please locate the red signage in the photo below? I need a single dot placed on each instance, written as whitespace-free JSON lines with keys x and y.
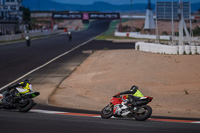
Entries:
{"x":197,"y":17}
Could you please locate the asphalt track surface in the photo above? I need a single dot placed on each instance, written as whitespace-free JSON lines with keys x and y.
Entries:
{"x":18,"y":59}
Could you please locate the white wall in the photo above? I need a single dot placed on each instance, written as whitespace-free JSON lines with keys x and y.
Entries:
{"x":166,"y":49}
{"x":141,"y":36}
{"x":30,"y":34}
{"x":145,"y":36}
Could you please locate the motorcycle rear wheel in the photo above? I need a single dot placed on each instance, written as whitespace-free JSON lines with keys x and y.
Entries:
{"x":28,"y":104}
{"x":107,"y":112}
{"x":145,"y":114}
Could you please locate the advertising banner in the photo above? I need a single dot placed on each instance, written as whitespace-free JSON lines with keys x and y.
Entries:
{"x":86,"y":16}
{"x":67,"y":16}
{"x":104,"y":15}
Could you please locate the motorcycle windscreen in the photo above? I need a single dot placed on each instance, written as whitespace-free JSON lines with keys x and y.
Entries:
{"x":22,"y":91}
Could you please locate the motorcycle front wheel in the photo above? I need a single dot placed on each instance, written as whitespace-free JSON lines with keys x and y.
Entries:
{"x":26,"y":105}
{"x":107,"y":112}
{"x":143,"y":113}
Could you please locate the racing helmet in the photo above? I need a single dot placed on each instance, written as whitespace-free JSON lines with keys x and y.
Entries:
{"x":134,"y":87}
{"x":26,"y":81}
{"x":27,"y":38}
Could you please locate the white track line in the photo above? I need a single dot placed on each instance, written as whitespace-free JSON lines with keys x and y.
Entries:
{"x":97,"y":116}
{"x":197,"y":122}
{"x":46,"y":111}
{"x":67,"y":52}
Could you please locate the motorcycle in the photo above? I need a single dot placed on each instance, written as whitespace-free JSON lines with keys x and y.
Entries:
{"x":69,"y":36}
{"x":17,"y":100}
{"x":118,"y":108}
{"x":28,"y":41}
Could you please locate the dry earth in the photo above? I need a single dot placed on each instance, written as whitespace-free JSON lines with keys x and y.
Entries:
{"x":173,"y":81}
{"x":71,"y":24}
{"x":163,"y":26}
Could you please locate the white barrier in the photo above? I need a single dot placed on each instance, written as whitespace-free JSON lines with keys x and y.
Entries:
{"x":166,"y":49}
{"x":198,"y":49}
{"x":187,"y":49}
{"x":181,"y":49}
{"x":194,"y":49}
{"x":30,"y":34}
{"x":146,"y":36}
{"x":141,"y":36}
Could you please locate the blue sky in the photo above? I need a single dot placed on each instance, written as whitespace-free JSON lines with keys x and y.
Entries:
{"x":117,"y":2}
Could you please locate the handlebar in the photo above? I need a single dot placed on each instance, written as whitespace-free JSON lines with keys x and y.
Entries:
{"x":117,"y":96}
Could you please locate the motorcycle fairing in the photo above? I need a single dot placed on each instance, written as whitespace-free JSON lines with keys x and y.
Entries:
{"x":31,"y":94}
{"x":115,"y":100}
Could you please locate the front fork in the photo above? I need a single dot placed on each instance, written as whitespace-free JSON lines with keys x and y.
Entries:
{"x":109,"y":108}
{"x":110,"y":105}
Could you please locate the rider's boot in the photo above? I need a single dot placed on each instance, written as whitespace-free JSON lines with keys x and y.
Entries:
{"x":135,"y":107}
{"x":132,"y":106}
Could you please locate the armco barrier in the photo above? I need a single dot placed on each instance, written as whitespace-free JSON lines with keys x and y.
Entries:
{"x":30,"y":34}
{"x":166,"y":49}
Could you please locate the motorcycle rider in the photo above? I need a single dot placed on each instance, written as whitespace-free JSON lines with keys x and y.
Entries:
{"x":134,"y":95}
{"x":25,"y":87}
{"x":28,"y":41}
{"x":69,"y":35}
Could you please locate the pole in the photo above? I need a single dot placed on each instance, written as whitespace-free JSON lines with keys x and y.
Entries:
{"x":180,"y":23}
{"x":131,"y":16}
{"x":191,"y":30}
{"x":172,"y":22}
{"x":157,"y":36}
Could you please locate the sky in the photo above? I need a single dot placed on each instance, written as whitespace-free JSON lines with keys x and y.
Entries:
{"x":116,"y":2}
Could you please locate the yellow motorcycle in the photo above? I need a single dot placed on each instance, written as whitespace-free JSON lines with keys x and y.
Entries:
{"x":16,"y":100}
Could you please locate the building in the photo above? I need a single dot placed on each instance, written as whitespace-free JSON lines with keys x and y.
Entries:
{"x":11,"y":16}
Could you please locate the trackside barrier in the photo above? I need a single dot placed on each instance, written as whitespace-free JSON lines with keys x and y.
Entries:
{"x":141,"y":36}
{"x":198,"y":49}
{"x":166,"y":49}
{"x":146,"y":36}
{"x":30,"y":34}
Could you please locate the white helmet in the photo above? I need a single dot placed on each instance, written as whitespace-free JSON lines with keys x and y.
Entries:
{"x":27,"y":38}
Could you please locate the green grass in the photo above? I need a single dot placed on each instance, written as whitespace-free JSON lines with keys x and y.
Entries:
{"x":86,"y":25}
{"x":2,"y":42}
{"x":104,"y":37}
{"x":109,"y":34}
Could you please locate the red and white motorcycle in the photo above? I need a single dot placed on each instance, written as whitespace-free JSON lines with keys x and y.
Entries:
{"x":118,"y":108}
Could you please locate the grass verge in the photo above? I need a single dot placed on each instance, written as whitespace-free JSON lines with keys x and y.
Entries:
{"x":109,"y":34}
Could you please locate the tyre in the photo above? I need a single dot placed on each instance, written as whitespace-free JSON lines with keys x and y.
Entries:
{"x":107,"y":112}
{"x":143,"y":113}
{"x":26,"y":106}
